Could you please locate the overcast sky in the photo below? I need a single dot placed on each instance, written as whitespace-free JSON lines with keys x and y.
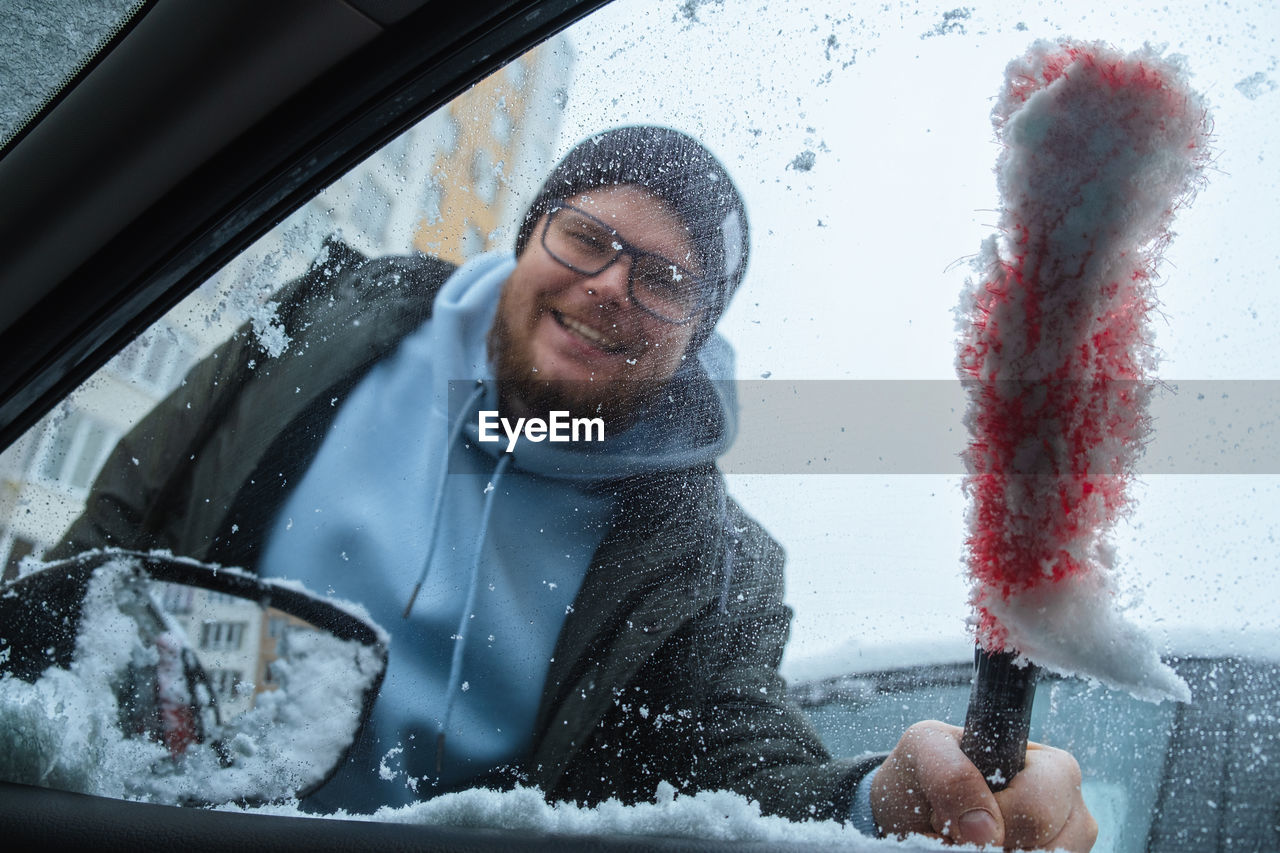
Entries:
{"x":861,"y":138}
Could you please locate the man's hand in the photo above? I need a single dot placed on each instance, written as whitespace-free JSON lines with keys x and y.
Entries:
{"x":928,"y":786}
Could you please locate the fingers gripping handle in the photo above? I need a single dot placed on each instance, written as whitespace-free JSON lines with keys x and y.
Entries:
{"x":998,"y":721}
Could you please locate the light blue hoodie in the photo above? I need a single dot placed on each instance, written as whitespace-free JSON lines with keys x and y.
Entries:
{"x":402,"y":497}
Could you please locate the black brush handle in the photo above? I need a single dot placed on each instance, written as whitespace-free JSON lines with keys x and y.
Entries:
{"x":999,"y":717}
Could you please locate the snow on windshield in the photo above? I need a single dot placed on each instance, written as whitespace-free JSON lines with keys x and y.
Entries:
{"x":715,"y":815}
{"x":66,"y":730}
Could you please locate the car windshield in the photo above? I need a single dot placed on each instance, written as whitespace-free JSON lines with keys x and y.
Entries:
{"x":43,"y":45}
{"x":861,"y":140}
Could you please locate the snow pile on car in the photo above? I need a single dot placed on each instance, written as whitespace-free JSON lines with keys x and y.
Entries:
{"x":712,"y":815}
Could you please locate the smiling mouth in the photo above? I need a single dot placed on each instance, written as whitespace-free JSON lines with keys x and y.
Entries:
{"x":587,"y":333}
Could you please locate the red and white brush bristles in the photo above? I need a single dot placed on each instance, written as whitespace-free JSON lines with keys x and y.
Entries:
{"x":1099,"y":150}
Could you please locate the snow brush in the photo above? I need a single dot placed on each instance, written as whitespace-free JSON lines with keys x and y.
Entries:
{"x":1099,"y":150}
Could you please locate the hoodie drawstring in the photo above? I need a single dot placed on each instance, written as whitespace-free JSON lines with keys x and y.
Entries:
{"x":460,"y":636}
{"x":437,"y":503}
{"x":437,"y":508}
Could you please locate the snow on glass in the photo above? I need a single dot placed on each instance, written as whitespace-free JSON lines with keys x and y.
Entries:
{"x":1099,"y":150}
{"x":717,"y":815}
{"x":64,"y":731}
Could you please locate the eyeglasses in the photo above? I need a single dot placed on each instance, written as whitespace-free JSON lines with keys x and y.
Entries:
{"x":588,"y":246}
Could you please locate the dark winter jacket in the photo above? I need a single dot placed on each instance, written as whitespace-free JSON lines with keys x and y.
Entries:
{"x":666,"y":669}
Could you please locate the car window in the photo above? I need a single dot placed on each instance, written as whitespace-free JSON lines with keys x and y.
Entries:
{"x":47,"y":44}
{"x":1139,"y":758}
{"x":861,"y":140}
{"x":1123,"y":743}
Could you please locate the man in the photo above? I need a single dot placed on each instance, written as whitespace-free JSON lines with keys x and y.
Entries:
{"x":591,"y":617}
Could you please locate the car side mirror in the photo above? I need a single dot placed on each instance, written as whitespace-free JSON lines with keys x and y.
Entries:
{"x":146,"y":676}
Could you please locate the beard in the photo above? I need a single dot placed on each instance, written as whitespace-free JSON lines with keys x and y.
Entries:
{"x":523,"y":393}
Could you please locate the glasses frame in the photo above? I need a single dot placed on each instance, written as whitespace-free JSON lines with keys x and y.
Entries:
{"x":634,"y":252}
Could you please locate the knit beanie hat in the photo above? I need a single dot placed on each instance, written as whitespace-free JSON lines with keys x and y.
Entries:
{"x":676,"y":169}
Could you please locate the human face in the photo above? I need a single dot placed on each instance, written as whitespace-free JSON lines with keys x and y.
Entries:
{"x":566,"y":338}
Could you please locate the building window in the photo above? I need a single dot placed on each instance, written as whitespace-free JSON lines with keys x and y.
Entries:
{"x":74,"y":450}
{"x":156,"y":361}
{"x":500,"y":127}
{"x":472,"y":241}
{"x":226,"y":683}
{"x":484,"y":177}
{"x":447,"y":132}
{"x":431,"y":195}
{"x":177,"y":598}
{"x":221,"y":636}
{"x":370,"y":210}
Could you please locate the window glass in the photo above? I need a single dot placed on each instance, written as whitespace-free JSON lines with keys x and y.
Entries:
{"x":44,"y":45}
{"x":484,"y":175}
{"x":1122,"y":743}
{"x":862,"y":143}
{"x":74,"y":451}
{"x":155,"y":361}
